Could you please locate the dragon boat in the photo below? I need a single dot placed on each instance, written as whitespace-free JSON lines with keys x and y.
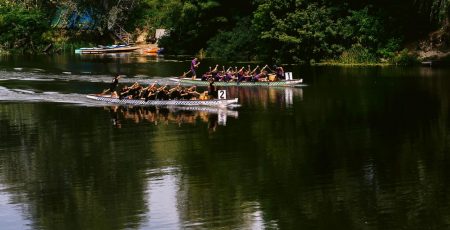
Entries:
{"x":142,"y":102}
{"x":292,"y":83}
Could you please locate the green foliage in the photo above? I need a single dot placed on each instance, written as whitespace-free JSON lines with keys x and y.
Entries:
{"x":197,"y":21}
{"x":155,"y":14}
{"x":404,"y":57}
{"x":186,"y":31}
{"x":283,"y":31}
{"x":239,"y":43}
{"x":300,"y":30}
{"x":390,"y":48}
{"x":21,"y":28}
{"x":362,"y":28}
{"x":357,"y":54}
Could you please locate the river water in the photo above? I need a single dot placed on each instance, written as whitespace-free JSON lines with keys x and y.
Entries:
{"x":358,"y":148}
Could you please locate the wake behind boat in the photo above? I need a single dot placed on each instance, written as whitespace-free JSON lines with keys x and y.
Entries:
{"x":143,"y":102}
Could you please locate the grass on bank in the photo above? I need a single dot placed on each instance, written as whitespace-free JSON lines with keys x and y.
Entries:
{"x":359,"y":56}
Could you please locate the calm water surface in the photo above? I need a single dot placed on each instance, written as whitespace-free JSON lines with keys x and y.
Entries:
{"x":359,"y":148}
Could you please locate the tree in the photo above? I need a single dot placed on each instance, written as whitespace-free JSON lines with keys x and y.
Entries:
{"x":21,"y":28}
{"x":298,"y":30}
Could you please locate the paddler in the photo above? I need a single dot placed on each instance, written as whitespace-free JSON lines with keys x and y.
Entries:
{"x":132,"y":91}
{"x":147,"y":92}
{"x":279,"y":71}
{"x":190,"y":93}
{"x":113,"y":86}
{"x":175,"y":92}
{"x":161,"y":93}
{"x":194,"y":65}
{"x":212,"y":89}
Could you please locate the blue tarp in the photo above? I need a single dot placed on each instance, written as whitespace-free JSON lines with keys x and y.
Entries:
{"x":73,"y":20}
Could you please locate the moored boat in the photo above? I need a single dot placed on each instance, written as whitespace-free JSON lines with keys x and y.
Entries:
{"x":154,"y":50}
{"x":106,"y":49}
{"x":296,"y":83}
{"x":142,"y":102}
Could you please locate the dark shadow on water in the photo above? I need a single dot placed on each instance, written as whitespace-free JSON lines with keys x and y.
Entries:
{"x":121,"y":115}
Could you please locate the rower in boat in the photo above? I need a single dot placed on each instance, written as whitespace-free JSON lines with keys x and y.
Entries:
{"x":261,"y":75}
{"x":212,"y":90}
{"x":124,"y":91}
{"x":175,"y":92}
{"x":214,"y":73}
{"x":148,"y":93}
{"x":190,"y":93}
{"x":178,"y":92}
{"x":229,"y":75}
{"x":131,"y":92}
{"x":253,"y":74}
{"x":207,"y":75}
{"x":240,"y":75}
{"x":279,"y":72}
{"x":162,"y":93}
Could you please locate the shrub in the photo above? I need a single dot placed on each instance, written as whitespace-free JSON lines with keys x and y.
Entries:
{"x":404,"y":57}
{"x":21,"y":28}
{"x":238,"y":43}
{"x":357,"y":54}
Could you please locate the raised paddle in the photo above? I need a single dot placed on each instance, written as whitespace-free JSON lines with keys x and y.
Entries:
{"x":253,"y":71}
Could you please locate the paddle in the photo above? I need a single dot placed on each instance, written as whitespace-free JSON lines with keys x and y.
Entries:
{"x":215,"y":68}
{"x":266,"y":66}
{"x":253,"y":71}
{"x":184,"y":74}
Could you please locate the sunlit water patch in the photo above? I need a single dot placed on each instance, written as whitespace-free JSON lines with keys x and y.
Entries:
{"x":12,"y":212}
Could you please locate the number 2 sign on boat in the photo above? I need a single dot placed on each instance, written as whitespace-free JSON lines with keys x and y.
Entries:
{"x":222,"y":95}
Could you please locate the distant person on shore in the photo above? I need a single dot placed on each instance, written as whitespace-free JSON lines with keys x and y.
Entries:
{"x":194,"y":65}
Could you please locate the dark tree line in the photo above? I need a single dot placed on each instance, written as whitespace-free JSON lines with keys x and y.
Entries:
{"x":280,"y":30}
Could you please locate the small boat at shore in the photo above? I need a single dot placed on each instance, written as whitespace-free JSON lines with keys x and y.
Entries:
{"x":106,"y":49}
{"x":142,"y":102}
{"x":291,"y":83}
{"x":154,"y":50}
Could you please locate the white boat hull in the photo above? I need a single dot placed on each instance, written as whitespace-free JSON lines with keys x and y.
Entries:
{"x":214,"y":102}
{"x":291,"y":83}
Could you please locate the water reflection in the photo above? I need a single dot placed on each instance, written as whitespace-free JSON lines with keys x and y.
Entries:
{"x":176,"y":115}
{"x":127,"y":63}
{"x":357,"y":149}
{"x":262,"y":96}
